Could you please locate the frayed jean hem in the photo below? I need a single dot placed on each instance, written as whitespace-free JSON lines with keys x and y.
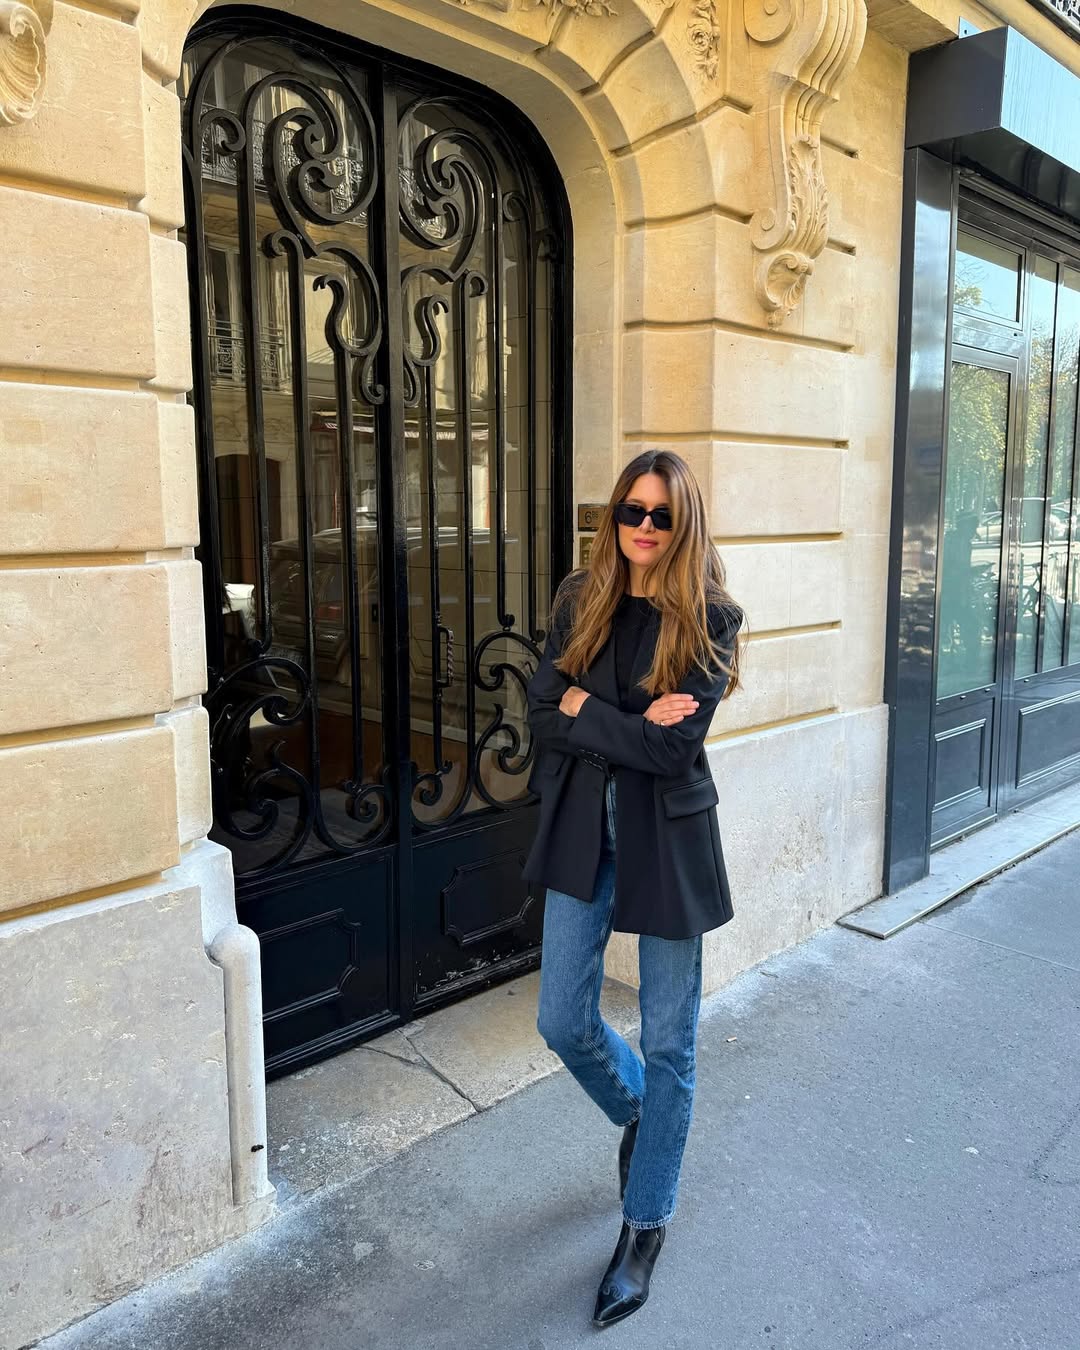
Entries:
{"x":643,"y":1227}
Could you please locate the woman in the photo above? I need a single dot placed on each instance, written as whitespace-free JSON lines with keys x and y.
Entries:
{"x":642,"y":648}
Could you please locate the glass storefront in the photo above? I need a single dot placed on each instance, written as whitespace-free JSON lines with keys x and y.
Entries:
{"x":1007,"y":673}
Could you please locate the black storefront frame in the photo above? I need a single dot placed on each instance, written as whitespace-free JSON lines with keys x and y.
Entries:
{"x":969,"y":121}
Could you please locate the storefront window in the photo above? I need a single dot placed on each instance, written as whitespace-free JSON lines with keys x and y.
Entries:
{"x":1036,"y":443}
{"x":987,"y":277}
{"x":1060,"y":485}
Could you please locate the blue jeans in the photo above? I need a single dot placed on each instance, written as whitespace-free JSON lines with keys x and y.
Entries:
{"x":660,"y":1091}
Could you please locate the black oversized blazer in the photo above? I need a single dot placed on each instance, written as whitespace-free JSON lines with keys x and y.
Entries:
{"x":670,"y":879}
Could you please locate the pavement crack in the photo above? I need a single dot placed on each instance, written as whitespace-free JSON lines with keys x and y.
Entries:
{"x":400,"y":1059}
{"x":972,"y":1299}
{"x":1000,"y":946}
{"x":1038,"y":1168}
{"x":438,"y":1073}
{"x":425,"y":1066}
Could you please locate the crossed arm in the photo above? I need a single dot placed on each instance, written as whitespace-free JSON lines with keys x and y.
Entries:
{"x":628,"y":739}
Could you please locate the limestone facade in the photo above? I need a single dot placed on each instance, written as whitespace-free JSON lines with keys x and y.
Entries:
{"x":734,"y":173}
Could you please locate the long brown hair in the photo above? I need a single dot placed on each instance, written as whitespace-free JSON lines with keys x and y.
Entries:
{"x":685,"y":580}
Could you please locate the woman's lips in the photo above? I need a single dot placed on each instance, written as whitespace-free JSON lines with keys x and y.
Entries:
{"x":645,"y":543}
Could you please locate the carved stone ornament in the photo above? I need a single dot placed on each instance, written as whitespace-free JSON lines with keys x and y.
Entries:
{"x":592,"y":7}
{"x":24,"y":25}
{"x":704,"y":31}
{"x":803,"y":51}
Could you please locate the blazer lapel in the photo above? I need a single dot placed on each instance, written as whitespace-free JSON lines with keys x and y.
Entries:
{"x":600,"y":679}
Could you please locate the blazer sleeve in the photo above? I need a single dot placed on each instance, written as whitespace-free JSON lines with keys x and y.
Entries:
{"x":544,"y":692}
{"x":631,"y":740}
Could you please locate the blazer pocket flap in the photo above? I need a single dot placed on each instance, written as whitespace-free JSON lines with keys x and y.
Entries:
{"x":690,"y":797}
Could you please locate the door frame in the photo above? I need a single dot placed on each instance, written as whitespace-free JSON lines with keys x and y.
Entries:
{"x":1001,"y":216}
{"x":980,"y":707}
{"x":932,"y":195}
{"x":392,"y":75}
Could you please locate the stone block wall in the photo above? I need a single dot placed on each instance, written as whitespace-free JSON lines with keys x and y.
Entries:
{"x":121,"y":1066}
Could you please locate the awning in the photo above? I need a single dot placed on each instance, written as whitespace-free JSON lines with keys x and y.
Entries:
{"x":997,"y":102}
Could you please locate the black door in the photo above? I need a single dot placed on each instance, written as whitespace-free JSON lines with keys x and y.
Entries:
{"x":1007,"y":726}
{"x":379,"y":278}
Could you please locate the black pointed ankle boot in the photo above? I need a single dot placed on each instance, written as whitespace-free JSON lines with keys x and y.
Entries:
{"x":625,"y":1285}
{"x":626,"y":1151}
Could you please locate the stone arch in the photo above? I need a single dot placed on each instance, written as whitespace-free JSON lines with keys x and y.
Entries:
{"x":603,"y":90}
{"x":603,"y":86}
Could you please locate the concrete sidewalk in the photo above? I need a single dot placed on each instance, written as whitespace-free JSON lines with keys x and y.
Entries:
{"x":885,"y":1153}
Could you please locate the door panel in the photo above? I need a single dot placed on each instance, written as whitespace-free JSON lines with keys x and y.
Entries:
{"x":378,"y":267}
{"x":327,"y":968}
{"x":971,"y":594}
{"x":475,"y":272}
{"x":963,"y":743}
{"x":1008,"y":673}
{"x":1060,"y":476}
{"x":298,"y":746}
{"x":474,"y":909}
{"x":1049,"y":733}
{"x":973,"y":525}
{"x":1039,"y":750}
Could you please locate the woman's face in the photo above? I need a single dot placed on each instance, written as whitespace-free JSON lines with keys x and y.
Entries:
{"x":643,"y":544}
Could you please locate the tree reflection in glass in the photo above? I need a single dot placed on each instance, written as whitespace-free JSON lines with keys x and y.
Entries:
{"x":972,"y":520}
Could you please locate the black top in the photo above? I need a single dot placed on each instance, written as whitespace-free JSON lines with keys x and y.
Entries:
{"x":629,"y":623}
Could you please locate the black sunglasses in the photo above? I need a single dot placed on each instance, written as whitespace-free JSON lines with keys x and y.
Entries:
{"x":626,"y":513}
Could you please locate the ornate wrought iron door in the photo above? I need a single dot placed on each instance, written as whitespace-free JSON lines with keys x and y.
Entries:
{"x":378,"y":265}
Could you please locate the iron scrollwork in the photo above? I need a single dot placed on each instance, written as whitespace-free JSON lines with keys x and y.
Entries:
{"x":464,"y":194}
{"x":292,"y":166}
{"x":289,"y":166}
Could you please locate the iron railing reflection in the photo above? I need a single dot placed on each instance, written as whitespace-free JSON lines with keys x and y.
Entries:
{"x":220,"y":166}
{"x":227,"y":362}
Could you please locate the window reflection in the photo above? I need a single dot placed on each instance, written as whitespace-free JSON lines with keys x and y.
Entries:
{"x":1036,"y":448}
{"x":973,"y":523}
{"x":288,"y":635}
{"x":987,"y":277}
{"x":1060,"y":485}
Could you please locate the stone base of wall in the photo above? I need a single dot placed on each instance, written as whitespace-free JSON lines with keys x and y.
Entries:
{"x":801,"y":822}
{"x":116,"y":1149}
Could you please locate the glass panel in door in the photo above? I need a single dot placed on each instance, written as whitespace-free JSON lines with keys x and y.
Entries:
{"x":1060,"y":482}
{"x":973,"y":522}
{"x":285,"y":255}
{"x":1071,"y":344}
{"x":1036,"y":452}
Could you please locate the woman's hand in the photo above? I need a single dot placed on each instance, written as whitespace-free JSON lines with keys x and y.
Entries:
{"x":571,"y":701}
{"x":668,"y":709}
